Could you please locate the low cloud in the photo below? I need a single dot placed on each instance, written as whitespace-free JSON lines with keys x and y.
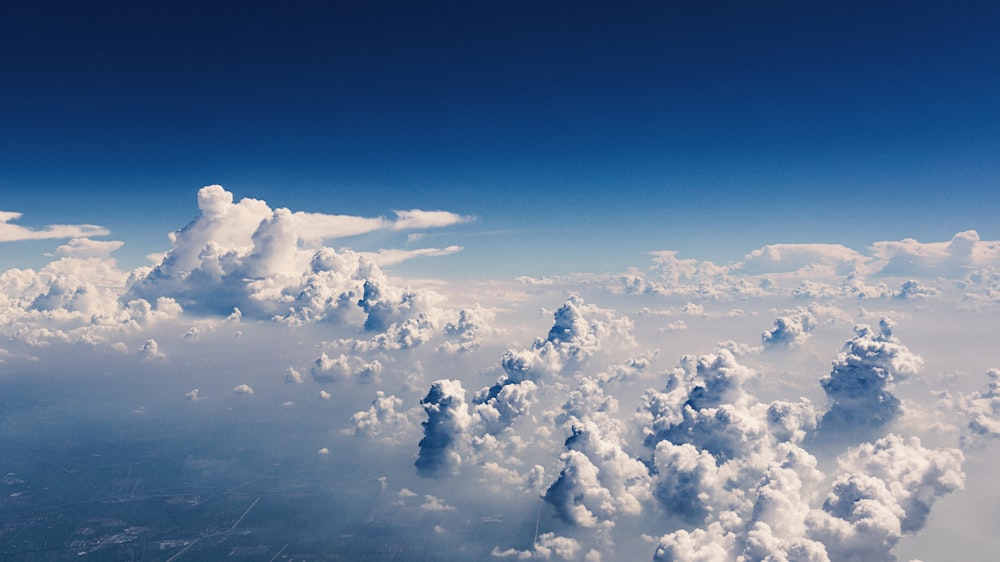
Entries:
{"x":447,"y":420}
{"x":638,"y":417}
{"x":242,"y":389}
{"x":859,"y":386}
{"x":790,"y":331}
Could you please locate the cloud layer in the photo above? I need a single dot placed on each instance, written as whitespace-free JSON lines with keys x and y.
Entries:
{"x":763,"y":410}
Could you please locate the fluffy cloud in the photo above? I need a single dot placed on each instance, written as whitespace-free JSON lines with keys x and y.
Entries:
{"x":385,"y":419}
{"x":790,"y":331}
{"x":886,"y":489}
{"x":151,"y":351}
{"x":983,"y":408}
{"x":599,"y":479}
{"x":464,"y":334}
{"x":703,"y":400}
{"x":331,"y":369}
{"x":548,"y":546}
{"x":242,"y":389}
{"x":447,"y":420}
{"x":863,"y":374}
{"x":561,"y":435}
{"x":266,"y":262}
{"x":572,"y":339}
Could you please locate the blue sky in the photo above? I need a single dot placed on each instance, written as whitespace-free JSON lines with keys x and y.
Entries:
{"x":578,"y":134}
{"x":438,"y":280}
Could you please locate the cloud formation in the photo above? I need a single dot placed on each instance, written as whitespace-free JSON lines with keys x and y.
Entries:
{"x":447,"y":420}
{"x":638,"y":418}
{"x":963,"y":252}
{"x":863,"y":374}
{"x":14,"y":233}
{"x":790,"y":331}
{"x":268,"y":262}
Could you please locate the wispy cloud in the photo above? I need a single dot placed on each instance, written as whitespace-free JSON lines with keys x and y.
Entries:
{"x":14,"y":233}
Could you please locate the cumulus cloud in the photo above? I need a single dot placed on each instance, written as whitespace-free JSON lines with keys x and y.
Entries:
{"x":560,"y":434}
{"x":293,"y":376}
{"x":982,"y":408}
{"x":859,"y":385}
{"x":242,"y":389}
{"x":885,"y":490}
{"x":267,"y":262}
{"x":447,"y":420}
{"x":599,"y":479}
{"x":702,"y":397}
{"x":331,"y":369}
{"x":578,"y":332}
{"x":464,"y":333}
{"x":385,"y":419}
{"x":790,"y":331}
{"x":913,"y":289}
{"x":151,"y":351}
{"x":546,"y":547}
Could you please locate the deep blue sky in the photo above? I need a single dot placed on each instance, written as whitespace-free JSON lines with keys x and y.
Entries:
{"x":581,"y":134}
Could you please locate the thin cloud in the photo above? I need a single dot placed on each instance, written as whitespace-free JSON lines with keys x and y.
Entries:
{"x":417,"y":219}
{"x":15,"y":233}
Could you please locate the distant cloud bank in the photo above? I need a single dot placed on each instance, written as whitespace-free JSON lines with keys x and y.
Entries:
{"x":680,"y":410}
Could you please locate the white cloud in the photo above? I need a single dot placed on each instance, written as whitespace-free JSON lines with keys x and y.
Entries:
{"x":385,"y":419}
{"x":87,"y":248}
{"x":242,"y":389}
{"x":447,"y":420}
{"x":818,"y":260}
{"x":790,"y":331}
{"x":561,"y":431}
{"x":151,"y":351}
{"x":417,"y":219}
{"x":267,"y":262}
{"x":953,"y":258}
{"x":433,"y":503}
{"x":394,"y":256}
{"x":982,"y":408}
{"x":861,"y":380}
{"x":14,"y":233}
{"x":293,"y":376}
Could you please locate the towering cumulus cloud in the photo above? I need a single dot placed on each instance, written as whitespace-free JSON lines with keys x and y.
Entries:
{"x":447,"y":421}
{"x":271,"y":263}
{"x":859,"y":384}
{"x":790,"y":331}
{"x":885,"y":489}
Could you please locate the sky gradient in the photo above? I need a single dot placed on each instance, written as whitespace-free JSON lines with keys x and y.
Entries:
{"x":712,"y":129}
{"x":666,"y":281}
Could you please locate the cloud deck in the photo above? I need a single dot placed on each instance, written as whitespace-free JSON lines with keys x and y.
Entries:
{"x":801,"y":404}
